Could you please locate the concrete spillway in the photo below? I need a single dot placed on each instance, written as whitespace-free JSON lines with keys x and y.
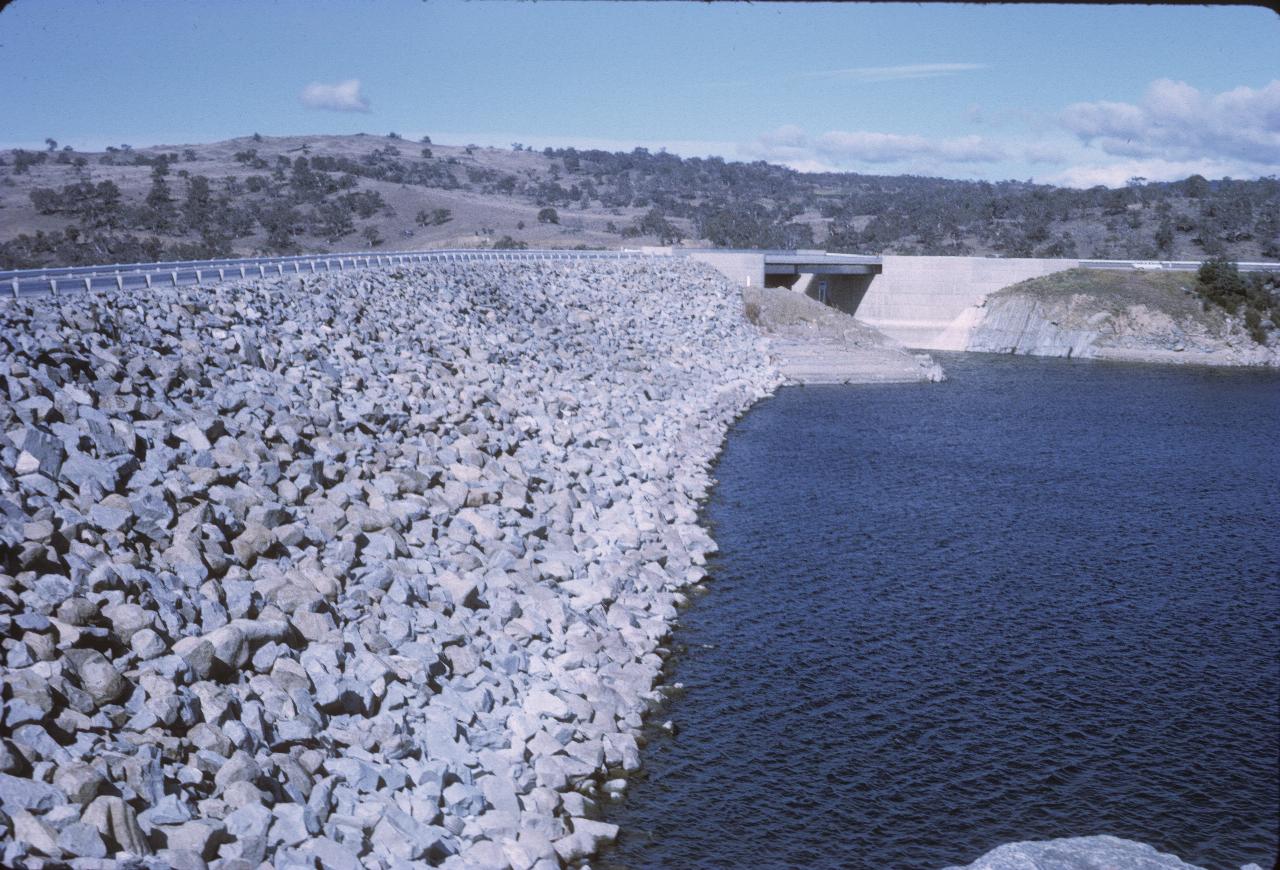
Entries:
{"x":932,"y":302}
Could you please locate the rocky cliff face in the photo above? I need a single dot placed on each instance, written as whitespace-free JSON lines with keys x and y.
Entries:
{"x":1105,"y":316}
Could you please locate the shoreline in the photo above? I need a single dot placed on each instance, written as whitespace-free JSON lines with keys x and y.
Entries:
{"x":381,"y":571}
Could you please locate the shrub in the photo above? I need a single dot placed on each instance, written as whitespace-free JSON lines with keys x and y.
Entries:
{"x":1219,"y":281}
{"x":548,"y":216}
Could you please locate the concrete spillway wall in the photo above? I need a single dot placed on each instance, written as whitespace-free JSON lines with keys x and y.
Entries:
{"x":932,"y":302}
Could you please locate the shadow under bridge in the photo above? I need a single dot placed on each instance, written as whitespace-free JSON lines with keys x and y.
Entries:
{"x":839,"y":280}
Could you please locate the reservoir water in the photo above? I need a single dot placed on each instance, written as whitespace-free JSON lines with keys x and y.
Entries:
{"x":1039,"y":600}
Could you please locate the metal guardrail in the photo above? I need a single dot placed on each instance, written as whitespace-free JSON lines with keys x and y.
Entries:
{"x":1170,"y":265}
{"x":176,"y":273}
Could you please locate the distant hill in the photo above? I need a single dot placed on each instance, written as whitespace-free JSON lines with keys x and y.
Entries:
{"x":279,"y":195}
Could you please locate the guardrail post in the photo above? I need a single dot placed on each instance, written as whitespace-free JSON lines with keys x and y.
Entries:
{"x":53,"y":286}
{"x":147,"y":276}
{"x":242,"y":271}
{"x":119,"y":282}
{"x":15,"y":288}
{"x":280,"y":269}
{"x":198,"y":278}
{"x":87,"y":284}
{"x":222,"y":275}
{"x":174,"y":275}
{"x":262,"y":271}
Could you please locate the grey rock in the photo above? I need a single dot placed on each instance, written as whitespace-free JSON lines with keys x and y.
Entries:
{"x":34,"y":833}
{"x":148,"y":645}
{"x":86,"y":472}
{"x":332,"y":855}
{"x":180,"y":859}
{"x":199,"y":837}
{"x":24,"y":794}
{"x":169,"y":810}
{"x":97,"y":675}
{"x":1077,"y":853}
{"x":192,"y":434}
{"x":46,"y":450}
{"x":117,"y":822}
{"x":241,"y":767}
{"x":128,"y":619}
{"x":293,"y":824}
{"x":82,"y":841}
{"x":80,"y":782}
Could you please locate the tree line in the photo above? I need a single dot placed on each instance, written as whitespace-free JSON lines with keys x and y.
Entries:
{"x":319,"y":199}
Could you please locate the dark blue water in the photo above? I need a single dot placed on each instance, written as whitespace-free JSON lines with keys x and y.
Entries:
{"x":1039,"y":600}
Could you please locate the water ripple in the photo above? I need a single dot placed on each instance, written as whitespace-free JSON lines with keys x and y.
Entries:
{"x":1039,"y":600}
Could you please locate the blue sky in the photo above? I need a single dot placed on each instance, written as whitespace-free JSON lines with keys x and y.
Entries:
{"x":1067,"y":94}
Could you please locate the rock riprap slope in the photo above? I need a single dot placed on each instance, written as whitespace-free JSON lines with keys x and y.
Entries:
{"x":814,"y":343}
{"x":360,"y":570}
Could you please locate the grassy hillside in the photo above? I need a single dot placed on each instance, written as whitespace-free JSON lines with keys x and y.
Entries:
{"x":1174,"y":291}
{"x":332,"y":193}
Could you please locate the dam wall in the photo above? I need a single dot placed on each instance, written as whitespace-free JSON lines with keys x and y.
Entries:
{"x":932,"y":302}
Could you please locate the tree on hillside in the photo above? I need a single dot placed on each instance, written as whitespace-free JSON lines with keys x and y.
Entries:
{"x":655,"y":223}
{"x":159,"y":201}
{"x":548,"y":216}
{"x":197,"y":208}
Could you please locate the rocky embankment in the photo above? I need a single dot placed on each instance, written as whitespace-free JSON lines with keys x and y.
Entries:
{"x":360,"y":570}
{"x":814,"y":343}
{"x":1138,"y":316}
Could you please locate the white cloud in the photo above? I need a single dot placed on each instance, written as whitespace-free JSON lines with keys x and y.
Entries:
{"x":1115,"y":174}
{"x":874,"y":147}
{"x":1176,"y":122}
{"x":1043,"y":152}
{"x":340,"y":97}
{"x":895,"y":73}
{"x":788,"y":145}
{"x":787,"y":136}
{"x":838,"y":150}
{"x":1175,"y":131}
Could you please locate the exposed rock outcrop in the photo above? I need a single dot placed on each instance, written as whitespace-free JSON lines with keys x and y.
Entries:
{"x":1113,"y":315}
